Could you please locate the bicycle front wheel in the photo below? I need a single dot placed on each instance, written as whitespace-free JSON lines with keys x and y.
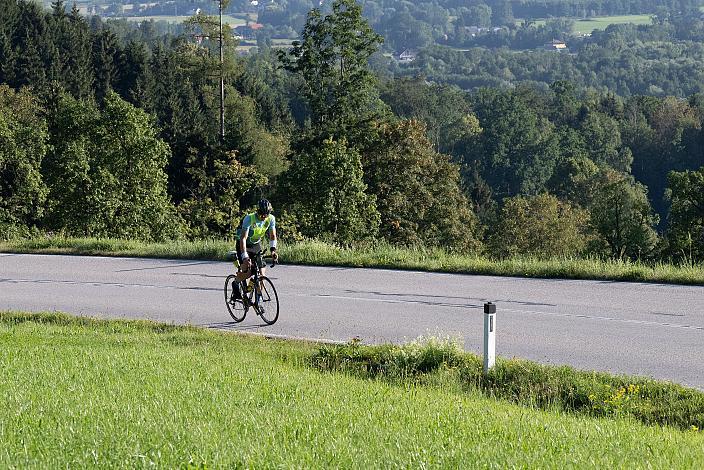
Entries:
{"x":234,"y":302}
{"x":267,"y":301}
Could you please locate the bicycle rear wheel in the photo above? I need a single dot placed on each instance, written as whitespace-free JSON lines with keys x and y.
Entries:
{"x":235,"y":305}
{"x":267,"y":301}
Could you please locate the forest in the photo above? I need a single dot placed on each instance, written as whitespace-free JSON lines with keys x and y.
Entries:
{"x":114,"y":132}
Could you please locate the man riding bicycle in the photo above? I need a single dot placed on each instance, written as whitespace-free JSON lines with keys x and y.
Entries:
{"x":253,"y":228}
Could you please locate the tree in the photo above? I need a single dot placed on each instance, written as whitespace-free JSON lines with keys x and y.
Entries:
{"x":332,"y":58}
{"x":325,"y":195}
{"x":604,"y":141}
{"x":622,"y":216}
{"x":219,"y":182}
{"x":23,"y":145}
{"x":478,"y":15}
{"x":417,"y":189}
{"x":540,"y":226}
{"x":105,"y":55}
{"x":256,"y":146}
{"x":686,"y":219}
{"x":442,"y":108}
{"x":576,"y":179}
{"x":106,"y":172}
{"x":517,"y":150}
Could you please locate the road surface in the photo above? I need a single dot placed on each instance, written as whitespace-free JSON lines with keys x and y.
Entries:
{"x":656,"y":330}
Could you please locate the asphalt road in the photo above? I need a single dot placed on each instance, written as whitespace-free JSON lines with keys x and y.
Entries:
{"x":655,"y":330}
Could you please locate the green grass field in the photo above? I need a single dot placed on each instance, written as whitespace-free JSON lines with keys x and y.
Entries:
{"x":585,"y":26}
{"x":228,"y":19}
{"x":382,"y":256}
{"x":79,"y":393}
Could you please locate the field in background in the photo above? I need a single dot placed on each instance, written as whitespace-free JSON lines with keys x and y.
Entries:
{"x":136,"y":394}
{"x":227,"y":19}
{"x":586,"y":26}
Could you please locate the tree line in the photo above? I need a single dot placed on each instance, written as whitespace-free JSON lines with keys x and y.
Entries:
{"x":108,"y":136}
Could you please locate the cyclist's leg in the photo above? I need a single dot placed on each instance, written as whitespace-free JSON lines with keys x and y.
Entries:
{"x":242,"y":275}
{"x":262,"y":265}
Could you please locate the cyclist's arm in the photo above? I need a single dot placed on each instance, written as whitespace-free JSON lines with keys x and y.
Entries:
{"x":243,"y":242}
{"x":272,"y":234}
{"x":272,"y":238}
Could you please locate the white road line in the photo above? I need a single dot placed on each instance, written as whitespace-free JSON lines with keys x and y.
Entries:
{"x":597,"y":317}
{"x":387,"y":301}
{"x":513,"y":310}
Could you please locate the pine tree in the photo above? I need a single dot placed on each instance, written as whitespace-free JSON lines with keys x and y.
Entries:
{"x":79,"y":71}
{"x":29,"y":69}
{"x":132,"y":66}
{"x":58,"y":8}
{"x":105,"y":55}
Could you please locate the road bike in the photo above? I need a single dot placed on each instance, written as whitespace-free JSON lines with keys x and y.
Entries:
{"x":257,"y":292}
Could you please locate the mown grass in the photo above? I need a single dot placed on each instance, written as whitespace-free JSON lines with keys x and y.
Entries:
{"x":380,"y":256}
{"x":88,"y":393}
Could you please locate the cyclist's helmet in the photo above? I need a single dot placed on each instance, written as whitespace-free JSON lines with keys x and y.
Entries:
{"x":264,"y":207}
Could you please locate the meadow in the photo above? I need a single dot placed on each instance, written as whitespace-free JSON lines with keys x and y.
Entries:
{"x":587,"y":25}
{"x":226,"y":19}
{"x":89,"y":393}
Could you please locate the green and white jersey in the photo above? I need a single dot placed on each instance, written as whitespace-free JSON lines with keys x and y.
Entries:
{"x":256,"y":228}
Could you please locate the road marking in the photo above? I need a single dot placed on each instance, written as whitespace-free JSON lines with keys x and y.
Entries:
{"x":530,"y":312}
{"x":103,"y":284}
{"x":368,"y":299}
{"x":598,"y":317}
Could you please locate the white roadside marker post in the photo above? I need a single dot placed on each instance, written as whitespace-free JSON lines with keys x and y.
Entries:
{"x":489,"y":336}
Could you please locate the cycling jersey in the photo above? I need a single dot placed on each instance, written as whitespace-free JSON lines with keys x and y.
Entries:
{"x":255,"y":227}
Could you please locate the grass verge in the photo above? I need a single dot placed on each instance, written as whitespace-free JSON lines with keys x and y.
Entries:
{"x":383,"y":256}
{"x":527,"y":383}
{"x":79,"y":392}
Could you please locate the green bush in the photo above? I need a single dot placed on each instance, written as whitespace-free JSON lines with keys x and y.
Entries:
{"x":418,"y":357}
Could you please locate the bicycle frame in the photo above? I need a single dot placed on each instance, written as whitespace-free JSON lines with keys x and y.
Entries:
{"x":262,"y":297}
{"x":256,"y":271}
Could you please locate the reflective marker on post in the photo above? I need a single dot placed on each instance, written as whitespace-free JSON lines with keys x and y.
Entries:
{"x":489,"y":336}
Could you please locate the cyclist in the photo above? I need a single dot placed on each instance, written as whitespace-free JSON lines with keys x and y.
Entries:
{"x":252,"y":229}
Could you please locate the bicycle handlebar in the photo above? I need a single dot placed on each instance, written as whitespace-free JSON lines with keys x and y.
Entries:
{"x":261,"y":252}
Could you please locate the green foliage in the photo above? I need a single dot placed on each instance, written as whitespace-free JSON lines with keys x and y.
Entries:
{"x":622,"y":216}
{"x":686,"y":232}
{"x":326,"y":195}
{"x":540,"y":226}
{"x":576,"y":179}
{"x":412,"y":359}
{"x":332,"y":58}
{"x":517,"y":149}
{"x":442,"y":108}
{"x":23,"y":146}
{"x":417,"y":189}
{"x":106,"y":172}
{"x":219,"y":182}
{"x":601,"y":133}
{"x":255,"y":145}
